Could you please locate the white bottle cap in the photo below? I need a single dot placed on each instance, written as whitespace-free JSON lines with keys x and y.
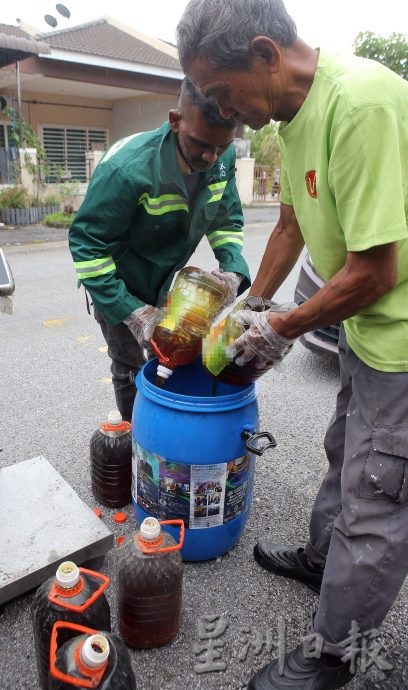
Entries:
{"x":95,"y":651}
{"x":164,"y":372}
{"x":67,"y":575}
{"x":150,"y":529}
{"x":114,"y":417}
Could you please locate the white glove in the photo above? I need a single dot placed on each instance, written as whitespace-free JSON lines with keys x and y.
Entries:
{"x":141,"y":323}
{"x":232,"y":281}
{"x":260,"y":344}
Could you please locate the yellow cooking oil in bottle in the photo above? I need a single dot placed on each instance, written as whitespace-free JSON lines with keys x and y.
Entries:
{"x":195,"y":300}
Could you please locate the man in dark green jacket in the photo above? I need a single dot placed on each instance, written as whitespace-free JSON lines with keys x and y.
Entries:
{"x":152,"y":198}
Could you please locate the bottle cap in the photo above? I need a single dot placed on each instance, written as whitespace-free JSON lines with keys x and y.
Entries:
{"x":164,"y":372}
{"x":95,"y":651}
{"x":120,"y":517}
{"x":67,"y":575}
{"x":150,"y":529}
{"x":114,"y":417}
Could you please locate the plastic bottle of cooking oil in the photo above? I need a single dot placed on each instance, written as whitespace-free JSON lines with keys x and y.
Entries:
{"x":90,"y":659}
{"x":192,"y":305}
{"x":74,"y":595}
{"x":149,"y":581}
{"x":216,"y":344}
{"x":111,"y":461}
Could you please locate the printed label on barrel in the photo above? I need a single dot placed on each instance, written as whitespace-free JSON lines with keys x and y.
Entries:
{"x":201,"y":495}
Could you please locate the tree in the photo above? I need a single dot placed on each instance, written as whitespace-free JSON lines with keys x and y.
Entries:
{"x":264,"y":144}
{"x":391,"y":52}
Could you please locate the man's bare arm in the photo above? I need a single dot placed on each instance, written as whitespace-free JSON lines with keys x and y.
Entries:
{"x":363,"y":280}
{"x":281,"y":253}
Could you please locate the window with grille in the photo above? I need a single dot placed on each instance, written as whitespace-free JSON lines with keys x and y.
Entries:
{"x":9,"y":166}
{"x":66,"y":148}
{"x":6,"y":141}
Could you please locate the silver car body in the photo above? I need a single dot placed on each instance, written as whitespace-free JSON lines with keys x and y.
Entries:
{"x":322,"y":339}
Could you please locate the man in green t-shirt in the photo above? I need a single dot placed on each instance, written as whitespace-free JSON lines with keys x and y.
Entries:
{"x":344,"y":142}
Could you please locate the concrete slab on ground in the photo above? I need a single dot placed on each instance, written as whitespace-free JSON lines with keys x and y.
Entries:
{"x":44,"y":522}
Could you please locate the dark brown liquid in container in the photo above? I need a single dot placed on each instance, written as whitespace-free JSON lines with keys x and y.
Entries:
{"x":111,"y":466}
{"x":118,"y":674}
{"x":240,"y":376}
{"x":149,"y":594}
{"x":45,"y":613}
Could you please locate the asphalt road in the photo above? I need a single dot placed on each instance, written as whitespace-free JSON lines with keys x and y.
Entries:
{"x":56,"y":389}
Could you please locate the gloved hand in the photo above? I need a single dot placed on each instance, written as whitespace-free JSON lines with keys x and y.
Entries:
{"x":232,"y":281}
{"x":141,"y":322}
{"x":255,"y":303}
{"x":260,"y":344}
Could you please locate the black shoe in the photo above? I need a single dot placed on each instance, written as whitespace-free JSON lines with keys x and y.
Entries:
{"x":326,"y":673}
{"x":284,"y":560}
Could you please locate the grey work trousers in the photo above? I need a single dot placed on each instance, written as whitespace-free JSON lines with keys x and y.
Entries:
{"x":359,"y":522}
{"x":127,"y":360}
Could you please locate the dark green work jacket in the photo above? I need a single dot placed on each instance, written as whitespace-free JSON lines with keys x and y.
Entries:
{"x":135,"y":228}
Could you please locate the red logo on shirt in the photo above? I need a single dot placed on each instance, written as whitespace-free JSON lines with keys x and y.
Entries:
{"x":311,"y":187}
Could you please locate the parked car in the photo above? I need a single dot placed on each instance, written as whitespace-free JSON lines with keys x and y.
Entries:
{"x":323,"y":339}
{"x":6,"y":277}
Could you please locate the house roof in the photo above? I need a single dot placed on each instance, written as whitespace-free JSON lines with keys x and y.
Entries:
{"x":15,"y":47}
{"x":108,"y":38}
{"x":9,"y":30}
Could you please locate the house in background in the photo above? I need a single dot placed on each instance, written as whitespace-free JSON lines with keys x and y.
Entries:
{"x":101,"y":81}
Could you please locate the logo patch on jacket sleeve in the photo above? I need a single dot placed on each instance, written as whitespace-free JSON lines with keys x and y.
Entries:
{"x":311,"y":184}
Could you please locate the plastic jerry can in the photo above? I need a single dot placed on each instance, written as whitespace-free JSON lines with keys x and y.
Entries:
{"x":74,"y":595}
{"x":111,"y":461}
{"x":193,"y":303}
{"x":150,"y":580}
{"x":90,"y":659}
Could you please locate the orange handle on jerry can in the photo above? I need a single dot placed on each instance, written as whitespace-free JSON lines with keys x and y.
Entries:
{"x":95,"y":675}
{"x":154,"y":547}
{"x":57,"y":594}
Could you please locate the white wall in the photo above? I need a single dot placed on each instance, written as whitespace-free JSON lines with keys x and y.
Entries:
{"x":245,"y":179}
{"x":139,"y":115}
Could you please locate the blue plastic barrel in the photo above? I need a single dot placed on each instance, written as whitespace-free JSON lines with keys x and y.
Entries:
{"x":190,"y":459}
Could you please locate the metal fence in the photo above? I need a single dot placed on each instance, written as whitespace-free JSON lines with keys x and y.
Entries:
{"x":26,"y":216}
{"x":9,"y":166}
{"x":266,"y":184}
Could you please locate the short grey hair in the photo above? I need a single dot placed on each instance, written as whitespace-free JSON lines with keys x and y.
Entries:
{"x":221,"y":30}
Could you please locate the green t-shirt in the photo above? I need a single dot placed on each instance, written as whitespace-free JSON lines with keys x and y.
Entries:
{"x":345,"y":171}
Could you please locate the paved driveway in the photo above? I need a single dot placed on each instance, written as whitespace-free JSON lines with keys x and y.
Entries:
{"x":55,"y":390}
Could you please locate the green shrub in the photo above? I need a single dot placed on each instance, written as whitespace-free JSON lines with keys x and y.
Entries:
{"x":14,"y":197}
{"x":51,"y":199}
{"x":58,"y":220}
